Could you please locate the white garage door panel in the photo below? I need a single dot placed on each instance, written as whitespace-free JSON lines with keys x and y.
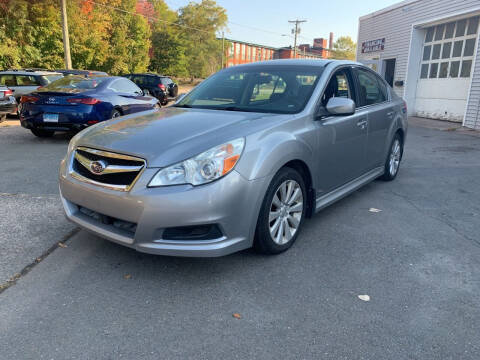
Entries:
{"x":447,"y":89}
{"x":451,"y":110}
{"x":446,"y":69}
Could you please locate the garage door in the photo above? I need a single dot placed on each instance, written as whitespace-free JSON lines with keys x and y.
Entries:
{"x":446,"y":69}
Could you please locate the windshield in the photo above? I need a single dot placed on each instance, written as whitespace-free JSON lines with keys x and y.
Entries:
{"x":270,"y":89}
{"x":73,"y":84}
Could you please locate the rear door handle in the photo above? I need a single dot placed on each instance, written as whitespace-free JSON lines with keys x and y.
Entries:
{"x":390,"y":114}
{"x":362,"y":124}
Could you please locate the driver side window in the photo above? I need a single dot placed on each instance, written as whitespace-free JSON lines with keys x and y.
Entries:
{"x":339,"y":86}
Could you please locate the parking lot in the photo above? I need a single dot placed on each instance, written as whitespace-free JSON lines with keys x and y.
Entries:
{"x":418,"y":259}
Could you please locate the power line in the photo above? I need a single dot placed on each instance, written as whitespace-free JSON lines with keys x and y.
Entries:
{"x":146,"y":16}
{"x":181,"y":25}
{"x":296,"y":31}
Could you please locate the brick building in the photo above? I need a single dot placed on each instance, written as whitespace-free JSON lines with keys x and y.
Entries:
{"x":240,"y":52}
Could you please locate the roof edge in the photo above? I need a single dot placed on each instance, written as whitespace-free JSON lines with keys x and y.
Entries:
{"x":388,"y":9}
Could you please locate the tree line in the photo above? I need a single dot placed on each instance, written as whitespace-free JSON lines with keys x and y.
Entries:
{"x":115,"y":36}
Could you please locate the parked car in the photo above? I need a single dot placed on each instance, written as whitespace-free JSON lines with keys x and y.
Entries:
{"x":162,"y":87}
{"x":8,"y":105}
{"x":76,"y":102}
{"x":66,"y":72}
{"x":25,"y":81}
{"x":240,"y":161}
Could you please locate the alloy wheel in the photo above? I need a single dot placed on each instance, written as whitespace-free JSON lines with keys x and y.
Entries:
{"x":285,"y":212}
{"x":395,"y":156}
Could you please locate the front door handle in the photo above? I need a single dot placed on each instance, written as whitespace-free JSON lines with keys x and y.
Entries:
{"x":362,"y":124}
{"x":390,"y":114}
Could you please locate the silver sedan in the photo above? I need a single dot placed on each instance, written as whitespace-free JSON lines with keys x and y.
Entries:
{"x":240,"y":161}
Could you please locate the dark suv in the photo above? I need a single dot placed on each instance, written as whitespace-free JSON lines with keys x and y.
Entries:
{"x":162,"y":87}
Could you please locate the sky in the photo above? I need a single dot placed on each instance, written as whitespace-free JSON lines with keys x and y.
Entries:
{"x":265,"y":22}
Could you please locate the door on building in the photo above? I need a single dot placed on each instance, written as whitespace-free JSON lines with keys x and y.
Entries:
{"x":446,"y":69}
{"x":390,"y":70}
{"x":374,"y":64}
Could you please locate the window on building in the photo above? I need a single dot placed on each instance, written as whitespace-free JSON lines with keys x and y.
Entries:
{"x":436,"y":51}
{"x":466,"y":68}
{"x":433,"y":70}
{"x":449,"y":30}
{"x":440,"y":29}
{"x":454,"y":69}
{"x":473,"y":26}
{"x":461,"y":26}
{"x":446,"y":50}
{"x":443,"y":70}
{"x":429,"y":35}
{"x":469,"y":47}
{"x":424,"y":72}
{"x":454,"y":45}
{"x":427,"y":50}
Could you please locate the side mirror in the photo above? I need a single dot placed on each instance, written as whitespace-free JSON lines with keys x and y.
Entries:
{"x":340,"y":106}
{"x":146,"y":92}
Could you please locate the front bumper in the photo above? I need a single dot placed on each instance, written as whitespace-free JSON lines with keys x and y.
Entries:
{"x":231,"y":202}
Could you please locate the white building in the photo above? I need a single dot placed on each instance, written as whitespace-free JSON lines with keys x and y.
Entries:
{"x":428,"y":51}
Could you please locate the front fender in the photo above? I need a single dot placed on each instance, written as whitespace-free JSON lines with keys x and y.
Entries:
{"x":275,"y":151}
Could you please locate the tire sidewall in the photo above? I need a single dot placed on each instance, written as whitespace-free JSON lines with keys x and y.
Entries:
{"x":387,"y":176}
{"x":263,"y":239}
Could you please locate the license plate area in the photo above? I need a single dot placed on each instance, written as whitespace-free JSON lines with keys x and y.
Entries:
{"x":50,"y":118}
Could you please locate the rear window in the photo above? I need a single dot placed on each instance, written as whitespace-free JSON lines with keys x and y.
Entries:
{"x":73,"y":84}
{"x":51,"y":78}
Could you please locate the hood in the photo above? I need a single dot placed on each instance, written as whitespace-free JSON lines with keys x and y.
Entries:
{"x":171,"y":135}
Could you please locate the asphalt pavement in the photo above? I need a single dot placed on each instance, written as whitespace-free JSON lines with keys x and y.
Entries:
{"x":418,"y":260}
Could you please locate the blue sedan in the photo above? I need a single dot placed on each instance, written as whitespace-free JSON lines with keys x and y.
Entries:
{"x":75,"y":102}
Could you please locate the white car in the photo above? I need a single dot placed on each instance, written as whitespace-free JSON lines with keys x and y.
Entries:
{"x":25,"y":81}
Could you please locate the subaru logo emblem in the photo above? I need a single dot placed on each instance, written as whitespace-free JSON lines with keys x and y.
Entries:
{"x":51,"y":100}
{"x":97,"y":167}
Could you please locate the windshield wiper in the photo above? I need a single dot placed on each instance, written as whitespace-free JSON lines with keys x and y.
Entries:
{"x":233,"y":108}
{"x":183,"y":106}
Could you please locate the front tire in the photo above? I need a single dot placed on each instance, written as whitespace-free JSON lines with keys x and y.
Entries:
{"x":282,"y":213}
{"x":3,"y":118}
{"x":392,"y":164}
{"x":42,"y":133}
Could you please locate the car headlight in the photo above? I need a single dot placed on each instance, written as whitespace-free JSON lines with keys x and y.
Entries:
{"x":201,"y":169}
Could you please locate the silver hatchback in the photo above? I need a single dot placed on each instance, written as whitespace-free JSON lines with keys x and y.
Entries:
{"x":238,"y":162}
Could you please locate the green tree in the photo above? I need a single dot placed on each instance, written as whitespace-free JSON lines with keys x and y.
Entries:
{"x":129,"y":40}
{"x":168,"y":45}
{"x":344,"y":48}
{"x":200,"y":23}
{"x":32,"y":32}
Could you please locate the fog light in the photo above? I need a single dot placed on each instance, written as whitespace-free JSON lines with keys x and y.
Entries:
{"x":197,"y":232}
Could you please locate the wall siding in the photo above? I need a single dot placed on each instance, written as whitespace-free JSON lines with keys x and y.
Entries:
{"x":395,"y":25}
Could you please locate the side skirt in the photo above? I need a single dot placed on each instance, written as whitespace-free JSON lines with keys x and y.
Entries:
{"x":344,"y":190}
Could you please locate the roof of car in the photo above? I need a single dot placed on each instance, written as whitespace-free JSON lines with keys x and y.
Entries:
{"x":28,"y":72}
{"x":301,"y":62}
{"x":148,"y":74}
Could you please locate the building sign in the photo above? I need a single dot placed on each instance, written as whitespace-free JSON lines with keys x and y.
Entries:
{"x":373,"y":45}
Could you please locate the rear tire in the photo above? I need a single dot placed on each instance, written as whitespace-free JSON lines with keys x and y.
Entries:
{"x":282,"y":213}
{"x":115,"y":114}
{"x":394,"y":158}
{"x":42,"y":133}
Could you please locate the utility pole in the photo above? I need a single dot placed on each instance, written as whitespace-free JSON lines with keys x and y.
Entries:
{"x":296,"y":31}
{"x":223,"y":48}
{"x":66,"y":40}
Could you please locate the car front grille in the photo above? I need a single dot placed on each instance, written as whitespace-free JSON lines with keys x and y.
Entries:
{"x":110,"y":170}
